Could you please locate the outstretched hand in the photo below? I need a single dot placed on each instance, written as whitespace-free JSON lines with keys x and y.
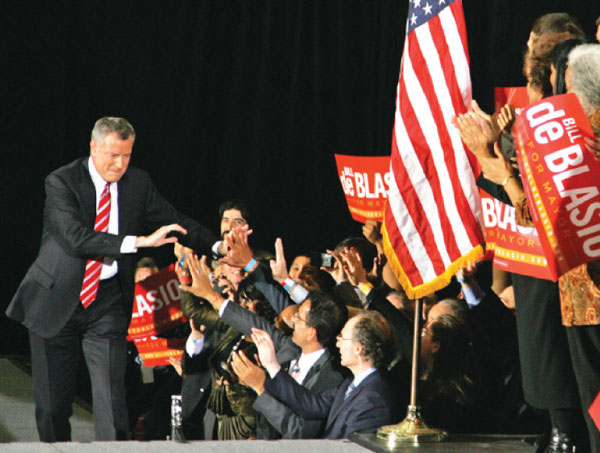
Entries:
{"x":239,"y":253}
{"x":159,"y":237}
{"x":201,"y":285}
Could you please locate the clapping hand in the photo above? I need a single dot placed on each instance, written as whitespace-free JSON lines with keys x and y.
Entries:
{"x":266,"y":351}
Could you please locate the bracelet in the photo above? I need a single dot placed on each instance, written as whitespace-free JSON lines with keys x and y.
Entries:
{"x":508,"y":178}
{"x":365,"y":288}
{"x":288,"y":283}
{"x":248,"y":267}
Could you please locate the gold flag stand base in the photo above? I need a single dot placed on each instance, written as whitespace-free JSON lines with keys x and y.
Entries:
{"x":411,"y":430}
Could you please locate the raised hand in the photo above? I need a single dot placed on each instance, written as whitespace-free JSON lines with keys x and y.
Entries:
{"x":337,"y":272}
{"x":201,"y":285}
{"x":371,"y":231}
{"x":279,"y":266}
{"x":248,"y":373}
{"x":239,"y":253}
{"x":266,"y":351}
{"x":355,"y":270}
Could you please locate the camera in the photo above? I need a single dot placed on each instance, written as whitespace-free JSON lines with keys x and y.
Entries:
{"x":327,"y":260}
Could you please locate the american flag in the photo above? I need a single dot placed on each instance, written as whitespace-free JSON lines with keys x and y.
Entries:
{"x":431,"y":224}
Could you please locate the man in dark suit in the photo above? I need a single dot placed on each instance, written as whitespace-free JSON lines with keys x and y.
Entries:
{"x":61,"y":311}
{"x":309,"y":361}
{"x":306,"y":358}
{"x":362,"y":402}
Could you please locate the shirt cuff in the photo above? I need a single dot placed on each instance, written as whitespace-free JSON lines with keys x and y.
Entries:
{"x":128,"y":244}
{"x":298,"y":294}
{"x":473,"y":295}
{"x":223,"y":307}
{"x":194,"y":347}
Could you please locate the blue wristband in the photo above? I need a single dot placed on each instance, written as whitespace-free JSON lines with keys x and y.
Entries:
{"x":248,"y":267}
{"x":288,"y":283}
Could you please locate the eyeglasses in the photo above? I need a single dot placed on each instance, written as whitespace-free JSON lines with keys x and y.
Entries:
{"x":340,"y":338}
{"x":297,"y":316}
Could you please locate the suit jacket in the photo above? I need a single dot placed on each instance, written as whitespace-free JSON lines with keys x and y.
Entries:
{"x":368,"y":407}
{"x":277,"y":297}
{"x":277,"y":419}
{"x":49,"y":292}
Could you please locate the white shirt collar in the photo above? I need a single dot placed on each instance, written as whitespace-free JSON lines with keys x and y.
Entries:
{"x":306,"y":362}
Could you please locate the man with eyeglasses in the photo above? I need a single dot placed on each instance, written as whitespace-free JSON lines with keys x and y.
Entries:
{"x":305,"y":355}
{"x":363,"y":402}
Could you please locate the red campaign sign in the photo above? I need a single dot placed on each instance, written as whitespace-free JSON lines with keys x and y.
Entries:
{"x":157,"y":351}
{"x":365,"y":182}
{"x":515,"y":96}
{"x":156,"y":305}
{"x":513,"y":248}
{"x":560,"y":180}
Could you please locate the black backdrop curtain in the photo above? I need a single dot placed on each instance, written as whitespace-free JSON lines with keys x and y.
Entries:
{"x":229,"y":98}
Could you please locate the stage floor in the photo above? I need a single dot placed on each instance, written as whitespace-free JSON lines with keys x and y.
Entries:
{"x":18,"y":432}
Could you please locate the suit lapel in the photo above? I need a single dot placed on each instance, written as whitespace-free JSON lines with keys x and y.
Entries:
{"x":123,"y":202}
{"x":88,"y":194}
{"x":313,"y":373}
{"x":340,"y":402}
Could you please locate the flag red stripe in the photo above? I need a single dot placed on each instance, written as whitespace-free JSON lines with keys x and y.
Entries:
{"x":427,"y":85}
{"x":421,"y":219}
{"x":415,"y":209}
{"x":463,"y":208}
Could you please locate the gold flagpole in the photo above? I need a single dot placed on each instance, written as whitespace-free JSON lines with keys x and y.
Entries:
{"x":412,"y":429}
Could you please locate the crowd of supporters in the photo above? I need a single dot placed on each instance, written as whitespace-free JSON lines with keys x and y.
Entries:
{"x":322,"y":347}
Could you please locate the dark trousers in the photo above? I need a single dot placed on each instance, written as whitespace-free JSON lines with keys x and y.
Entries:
{"x":584,"y":343}
{"x":100,"y":331}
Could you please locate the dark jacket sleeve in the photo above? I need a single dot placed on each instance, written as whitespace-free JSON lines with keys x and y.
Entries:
{"x":277,"y":297}
{"x":244,"y":320}
{"x":290,"y":424}
{"x":300,"y":399}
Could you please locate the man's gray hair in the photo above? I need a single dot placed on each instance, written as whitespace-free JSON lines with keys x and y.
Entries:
{"x":112,"y":125}
{"x":584,"y":64}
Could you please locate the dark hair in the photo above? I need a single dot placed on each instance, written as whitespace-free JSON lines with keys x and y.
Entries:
{"x":248,"y":290}
{"x":366,"y":250}
{"x":327,"y":316}
{"x":112,"y":125}
{"x":455,"y":369}
{"x":559,"y":57}
{"x":373,"y":332}
{"x":241,"y":205}
{"x":147,"y":261}
{"x":538,"y":60}
{"x":557,"y":23}
{"x":598,"y":21}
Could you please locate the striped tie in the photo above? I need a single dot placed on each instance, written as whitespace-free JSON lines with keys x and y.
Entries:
{"x":349,"y":390}
{"x":91,"y":279}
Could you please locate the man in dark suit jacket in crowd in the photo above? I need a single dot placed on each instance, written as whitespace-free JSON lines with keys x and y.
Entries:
{"x":308,"y":360}
{"x":362,"y":402}
{"x":62,"y":311}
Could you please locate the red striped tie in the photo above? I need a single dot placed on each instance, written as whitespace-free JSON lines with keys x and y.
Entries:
{"x":91,"y":279}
